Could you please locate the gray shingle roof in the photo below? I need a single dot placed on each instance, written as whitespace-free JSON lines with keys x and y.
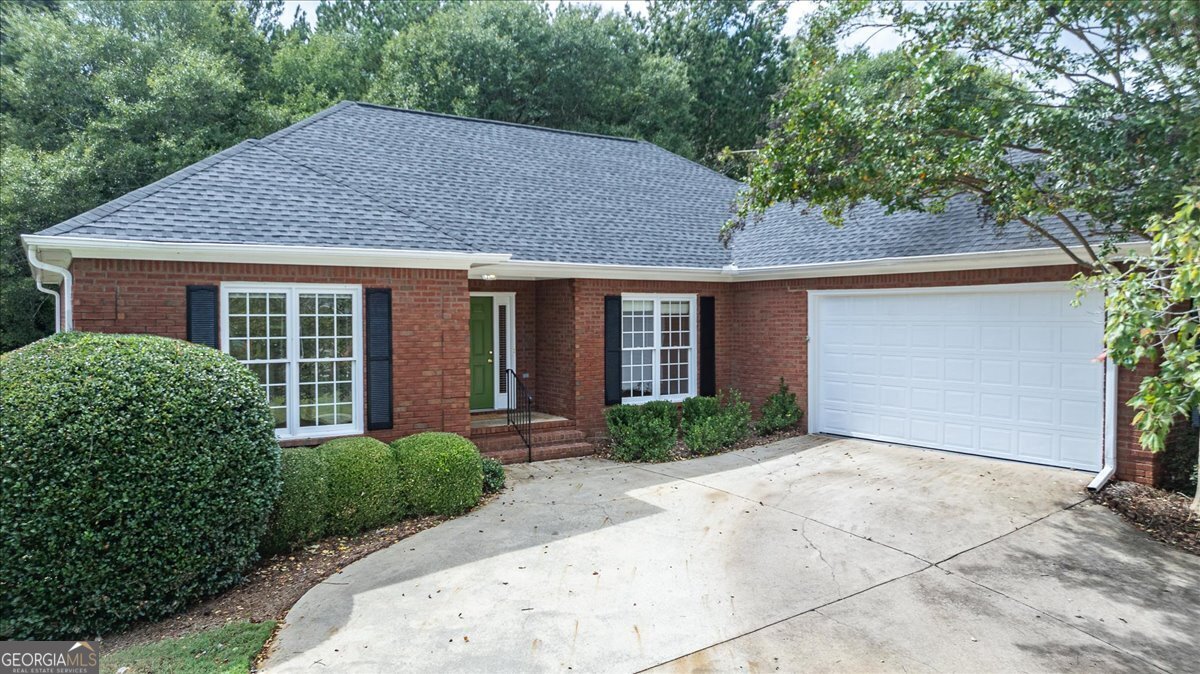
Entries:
{"x":252,"y":194}
{"x":790,"y":235}
{"x":360,"y":175}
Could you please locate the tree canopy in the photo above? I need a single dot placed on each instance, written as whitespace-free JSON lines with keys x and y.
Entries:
{"x":100,"y":97}
{"x":1076,"y":120}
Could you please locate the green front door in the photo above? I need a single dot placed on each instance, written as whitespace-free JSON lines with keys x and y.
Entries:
{"x":483,"y":373}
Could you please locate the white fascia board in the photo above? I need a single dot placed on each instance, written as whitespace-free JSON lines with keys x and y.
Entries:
{"x":1043,"y":257}
{"x":117,"y":249}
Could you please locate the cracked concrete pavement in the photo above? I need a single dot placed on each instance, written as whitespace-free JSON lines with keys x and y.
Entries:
{"x":811,"y":554}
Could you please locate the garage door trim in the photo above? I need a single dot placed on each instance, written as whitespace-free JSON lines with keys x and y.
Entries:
{"x":813,"y":349}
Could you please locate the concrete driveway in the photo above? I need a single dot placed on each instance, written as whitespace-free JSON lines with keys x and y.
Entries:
{"x":812,"y":554}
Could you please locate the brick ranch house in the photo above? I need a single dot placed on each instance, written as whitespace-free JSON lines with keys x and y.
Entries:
{"x":388,"y":271}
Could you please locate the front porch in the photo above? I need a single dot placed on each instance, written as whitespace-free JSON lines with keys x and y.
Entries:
{"x":551,"y":437}
{"x":520,"y":345}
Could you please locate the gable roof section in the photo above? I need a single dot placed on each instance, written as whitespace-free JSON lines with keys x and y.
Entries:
{"x":539,"y":194}
{"x":250,"y":194}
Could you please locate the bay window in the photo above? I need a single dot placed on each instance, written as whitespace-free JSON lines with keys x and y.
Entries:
{"x":303,"y":342}
{"x":658,"y":353}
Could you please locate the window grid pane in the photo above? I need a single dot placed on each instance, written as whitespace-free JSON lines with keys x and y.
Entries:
{"x":326,"y":363}
{"x":258,"y":337}
{"x":656,"y":348}
{"x":637,"y":348}
{"x":675,"y":355}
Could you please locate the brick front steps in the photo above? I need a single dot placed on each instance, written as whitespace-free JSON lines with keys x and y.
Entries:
{"x":551,"y":440}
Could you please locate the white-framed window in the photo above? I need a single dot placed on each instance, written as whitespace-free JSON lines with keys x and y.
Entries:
{"x":658,"y":347}
{"x":304,"y":342}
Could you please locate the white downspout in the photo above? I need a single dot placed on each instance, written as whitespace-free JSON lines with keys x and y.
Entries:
{"x":1110,"y":427}
{"x":60,"y":303}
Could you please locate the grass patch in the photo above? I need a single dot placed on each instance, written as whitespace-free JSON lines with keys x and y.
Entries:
{"x":230,"y":649}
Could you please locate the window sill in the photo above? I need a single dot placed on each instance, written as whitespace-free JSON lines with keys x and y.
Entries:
{"x":643,"y":401}
{"x":316,"y":438}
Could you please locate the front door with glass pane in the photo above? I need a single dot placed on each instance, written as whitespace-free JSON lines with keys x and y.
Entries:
{"x":483,"y":370}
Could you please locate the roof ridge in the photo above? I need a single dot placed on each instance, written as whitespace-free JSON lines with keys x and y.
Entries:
{"x":374,"y":199}
{"x":316,"y":117}
{"x":498,"y":122}
{"x":130,"y":198}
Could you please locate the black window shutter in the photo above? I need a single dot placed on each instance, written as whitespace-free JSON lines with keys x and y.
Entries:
{"x":202,"y":315}
{"x":612,"y":350}
{"x":379,"y":358}
{"x":708,"y":347}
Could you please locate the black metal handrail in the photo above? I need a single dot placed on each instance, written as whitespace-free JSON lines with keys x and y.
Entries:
{"x":520,"y":410}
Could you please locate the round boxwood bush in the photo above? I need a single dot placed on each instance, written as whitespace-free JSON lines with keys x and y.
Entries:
{"x":136,"y":475}
{"x":362,"y":491}
{"x":440,"y":473}
{"x":300,"y":513}
{"x":642,"y":432}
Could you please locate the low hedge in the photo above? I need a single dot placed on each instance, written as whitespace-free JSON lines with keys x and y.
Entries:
{"x":136,"y":476}
{"x":716,"y":423}
{"x":302,"y":509}
{"x":642,"y":432}
{"x":364,"y":491}
{"x":780,"y":412}
{"x":440,"y":473}
{"x":342,"y":487}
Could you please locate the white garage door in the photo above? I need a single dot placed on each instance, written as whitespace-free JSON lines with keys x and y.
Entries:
{"x":1002,"y":372}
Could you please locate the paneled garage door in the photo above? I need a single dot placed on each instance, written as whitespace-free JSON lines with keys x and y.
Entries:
{"x":1007,"y":372}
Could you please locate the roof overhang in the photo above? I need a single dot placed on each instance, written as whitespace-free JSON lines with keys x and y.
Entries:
{"x":334,"y":256}
{"x":62,"y":249}
{"x":530,"y":270}
{"x":1002,"y":259}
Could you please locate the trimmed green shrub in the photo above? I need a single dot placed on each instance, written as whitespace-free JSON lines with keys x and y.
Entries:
{"x":136,"y":476}
{"x":698,"y":408}
{"x":440,"y":473}
{"x":780,"y":411}
{"x":493,"y":475}
{"x":730,"y":424}
{"x":642,"y":432}
{"x":363,"y":491}
{"x":300,"y":513}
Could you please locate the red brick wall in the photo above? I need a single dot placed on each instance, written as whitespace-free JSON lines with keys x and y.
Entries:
{"x":1134,"y":463}
{"x":760,"y":331}
{"x":589,"y":338}
{"x":556,"y":347}
{"x":766,"y":348}
{"x":429,"y":321}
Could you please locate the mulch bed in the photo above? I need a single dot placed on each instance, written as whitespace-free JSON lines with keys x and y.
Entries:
{"x":681,"y":453}
{"x":1165,"y":515}
{"x":275,"y":583}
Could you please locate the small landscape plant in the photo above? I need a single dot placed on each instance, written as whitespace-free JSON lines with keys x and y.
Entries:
{"x":780,"y":412}
{"x":302,"y":508}
{"x":642,"y":432}
{"x":363,"y":491}
{"x":440,"y":473}
{"x":726,"y":422}
{"x":493,"y":475}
